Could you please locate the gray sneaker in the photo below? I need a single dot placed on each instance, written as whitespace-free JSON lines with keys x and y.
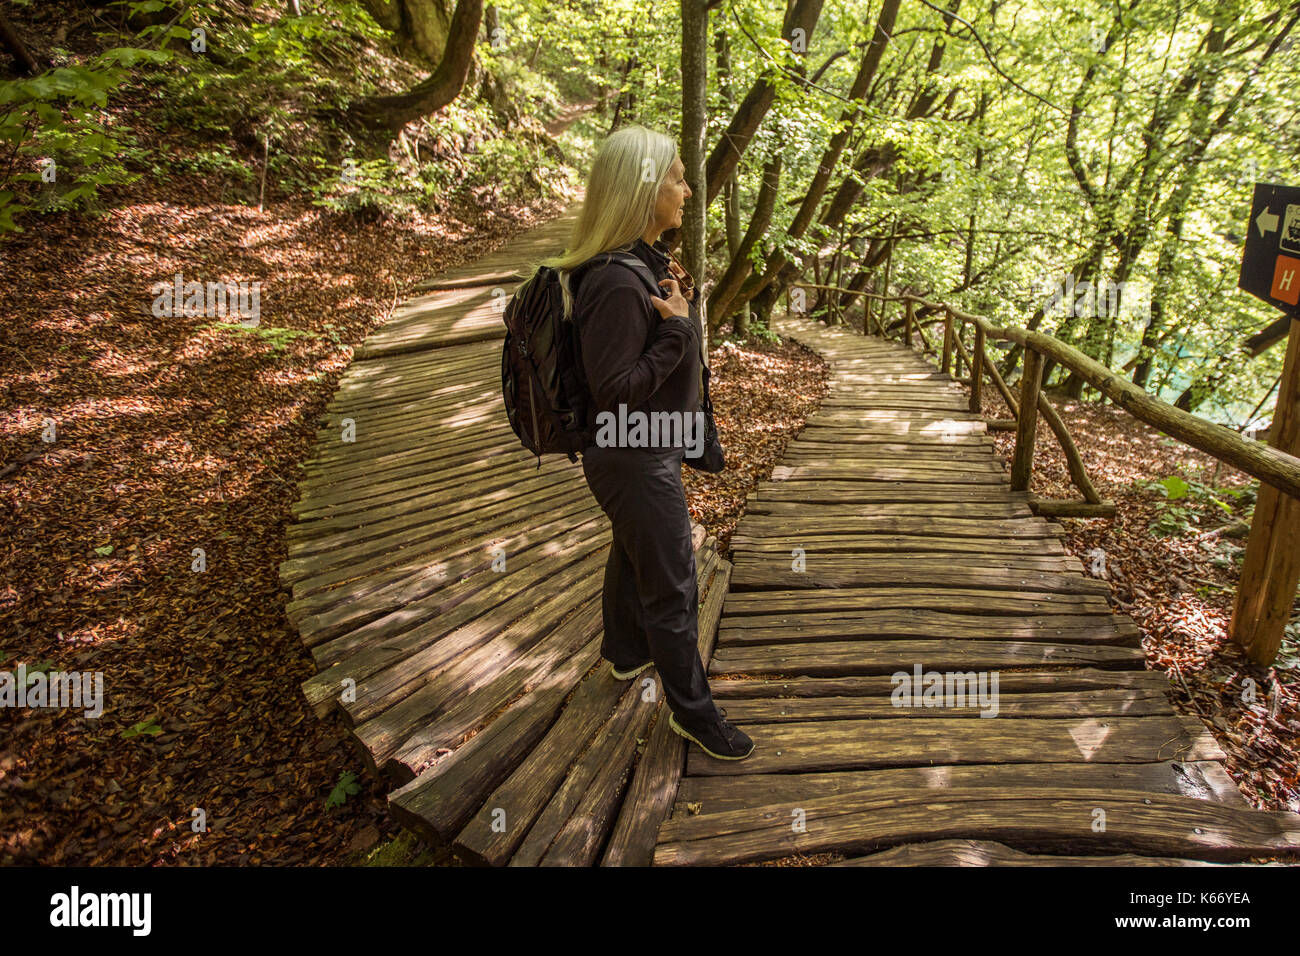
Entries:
{"x":723,"y":740}
{"x":630,"y":672}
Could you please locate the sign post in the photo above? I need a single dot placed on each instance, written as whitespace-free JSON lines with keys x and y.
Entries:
{"x":1270,"y":572}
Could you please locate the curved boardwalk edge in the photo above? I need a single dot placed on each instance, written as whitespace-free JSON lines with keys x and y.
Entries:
{"x":888,"y":547}
{"x":449,"y":591}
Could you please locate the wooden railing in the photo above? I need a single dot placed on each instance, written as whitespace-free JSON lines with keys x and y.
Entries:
{"x":1277,"y":468}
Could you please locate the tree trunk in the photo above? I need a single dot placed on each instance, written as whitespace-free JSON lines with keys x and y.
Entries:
{"x":387,"y":114}
{"x":24,"y":62}
{"x":802,"y":14}
{"x":695,"y":105}
{"x":738,"y":270}
{"x":420,"y":28}
{"x":731,"y":190}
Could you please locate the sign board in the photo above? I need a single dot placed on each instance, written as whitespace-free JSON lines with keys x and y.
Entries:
{"x":1270,"y":264}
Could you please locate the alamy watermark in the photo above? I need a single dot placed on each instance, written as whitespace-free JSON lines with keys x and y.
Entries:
{"x":61,"y":689}
{"x":1066,"y":295}
{"x":75,"y":908}
{"x":211,"y":299}
{"x":951,"y":689}
{"x":637,"y":429}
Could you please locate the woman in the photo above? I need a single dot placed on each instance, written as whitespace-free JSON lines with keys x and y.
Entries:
{"x":643,"y":354}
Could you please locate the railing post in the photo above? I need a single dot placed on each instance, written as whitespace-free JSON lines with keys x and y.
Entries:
{"x":947,"y":341}
{"x":977,"y":368}
{"x":1271,"y":566}
{"x":908,"y":319}
{"x":1022,"y":463}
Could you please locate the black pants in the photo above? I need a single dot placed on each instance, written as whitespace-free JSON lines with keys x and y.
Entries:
{"x":651,"y":596}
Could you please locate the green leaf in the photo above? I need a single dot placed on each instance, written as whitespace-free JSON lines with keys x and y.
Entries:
{"x":346,"y":787}
{"x":1175,"y":487}
{"x":105,"y":551}
{"x":149,"y":726}
{"x":129,"y":56}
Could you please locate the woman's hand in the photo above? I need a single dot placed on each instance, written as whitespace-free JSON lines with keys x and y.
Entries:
{"x":674,"y":304}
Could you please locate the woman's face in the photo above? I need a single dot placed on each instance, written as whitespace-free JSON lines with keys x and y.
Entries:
{"x":672,"y":194}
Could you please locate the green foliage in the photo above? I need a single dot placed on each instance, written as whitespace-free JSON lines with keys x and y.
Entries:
{"x":59,"y":149}
{"x":1175,"y":487}
{"x":346,"y":787}
{"x":759,"y":331}
{"x":277,"y":338}
{"x":148,"y":727}
{"x":403,"y":850}
{"x":1196,"y":502}
{"x":369,"y":189}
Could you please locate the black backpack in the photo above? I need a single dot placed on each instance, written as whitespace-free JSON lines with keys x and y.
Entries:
{"x":547,"y":399}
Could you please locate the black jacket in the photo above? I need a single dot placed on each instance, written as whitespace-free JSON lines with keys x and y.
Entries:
{"x":630,"y":354}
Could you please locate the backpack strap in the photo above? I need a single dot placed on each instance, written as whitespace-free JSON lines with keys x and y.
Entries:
{"x":631,"y":262}
{"x":641,"y":269}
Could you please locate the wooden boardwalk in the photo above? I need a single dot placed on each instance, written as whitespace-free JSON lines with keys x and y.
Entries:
{"x":449,"y":591}
{"x":889,"y":542}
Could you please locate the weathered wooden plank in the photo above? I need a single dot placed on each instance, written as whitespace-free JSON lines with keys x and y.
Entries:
{"x":604,"y":761}
{"x":773,"y":572}
{"x":1202,"y":779}
{"x":577,"y":843}
{"x":474,"y":708}
{"x":422,"y":649}
{"x":868,"y":471}
{"x":971,"y":511}
{"x":888,"y":625}
{"x":346,"y":549}
{"x":1080,"y":680}
{"x":491,"y":838}
{"x":394,"y":706}
{"x":972,"y":600}
{"x":336,"y":476}
{"x":840,"y":658}
{"x":376,"y":567}
{"x":498,"y":828}
{"x":363,"y":601}
{"x":1038,"y":820}
{"x":989,"y":853}
{"x":1100,"y":703}
{"x":766,"y":528}
{"x":920,"y":546}
{"x":925,"y":559}
{"x":387,"y":497}
{"x":438,"y":802}
{"x":862,"y":744}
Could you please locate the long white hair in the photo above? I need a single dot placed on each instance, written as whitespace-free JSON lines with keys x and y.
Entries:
{"x":622,"y":190}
